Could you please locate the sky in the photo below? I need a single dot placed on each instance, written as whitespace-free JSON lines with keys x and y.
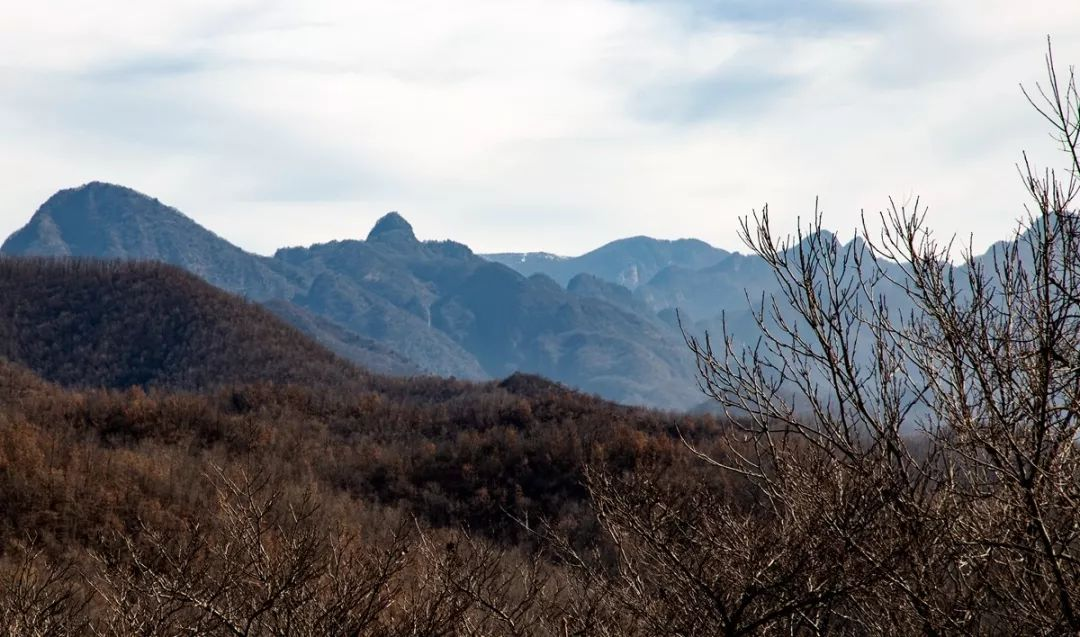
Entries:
{"x":527,"y":125}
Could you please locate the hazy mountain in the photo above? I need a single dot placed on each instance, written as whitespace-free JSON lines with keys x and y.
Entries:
{"x":507,"y":321}
{"x":103,"y":220}
{"x":588,"y":285}
{"x":706,"y":292}
{"x":368,"y":288}
{"x":628,"y":262}
{"x":118,"y":324}
{"x":366,"y":352}
{"x":363,"y":311}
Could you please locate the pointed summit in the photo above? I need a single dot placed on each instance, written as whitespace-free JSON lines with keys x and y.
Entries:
{"x":101,"y":220}
{"x":96,"y":219}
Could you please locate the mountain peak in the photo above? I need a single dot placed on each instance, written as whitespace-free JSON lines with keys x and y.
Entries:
{"x":97,"y":189}
{"x":391,"y":226}
{"x":106,"y":199}
{"x":104,"y":186}
{"x":95,"y":219}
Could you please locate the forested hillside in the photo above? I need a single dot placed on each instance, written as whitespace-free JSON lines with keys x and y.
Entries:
{"x":88,"y":323}
{"x":301,"y":509}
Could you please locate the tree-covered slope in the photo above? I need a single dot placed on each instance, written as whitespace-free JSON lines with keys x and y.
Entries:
{"x":118,"y":324}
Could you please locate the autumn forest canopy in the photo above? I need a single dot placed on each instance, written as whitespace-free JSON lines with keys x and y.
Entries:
{"x":397,"y":437}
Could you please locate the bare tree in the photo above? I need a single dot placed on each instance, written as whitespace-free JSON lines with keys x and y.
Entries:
{"x":39,"y":599}
{"x":262,"y":565}
{"x":484,"y":589}
{"x":264,"y":562}
{"x":906,"y":427}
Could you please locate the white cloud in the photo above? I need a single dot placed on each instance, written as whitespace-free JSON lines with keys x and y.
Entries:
{"x":525,"y":124}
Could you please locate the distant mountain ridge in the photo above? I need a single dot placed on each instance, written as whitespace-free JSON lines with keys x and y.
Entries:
{"x":392,"y":303}
{"x":629,"y":262}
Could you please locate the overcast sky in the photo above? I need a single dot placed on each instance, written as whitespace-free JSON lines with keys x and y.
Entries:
{"x":550,"y":125}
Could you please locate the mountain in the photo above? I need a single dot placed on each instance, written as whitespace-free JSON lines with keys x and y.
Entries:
{"x":628,"y":262}
{"x":366,"y":352}
{"x":706,"y":292}
{"x":588,"y":285}
{"x":118,"y":324}
{"x":504,"y":320}
{"x":356,"y":308}
{"x":113,"y":222}
{"x":365,"y":287}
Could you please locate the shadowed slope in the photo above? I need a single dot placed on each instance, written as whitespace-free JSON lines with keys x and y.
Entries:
{"x":115,"y":324}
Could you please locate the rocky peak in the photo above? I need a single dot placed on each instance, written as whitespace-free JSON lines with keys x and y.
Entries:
{"x":393,"y":227}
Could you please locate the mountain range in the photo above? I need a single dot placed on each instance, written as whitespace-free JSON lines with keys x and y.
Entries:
{"x":628,"y":262}
{"x":609,"y":322}
{"x":394,"y":304}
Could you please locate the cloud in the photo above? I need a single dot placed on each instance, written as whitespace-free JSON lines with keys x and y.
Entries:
{"x":526,"y":124}
{"x":819,"y":16}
